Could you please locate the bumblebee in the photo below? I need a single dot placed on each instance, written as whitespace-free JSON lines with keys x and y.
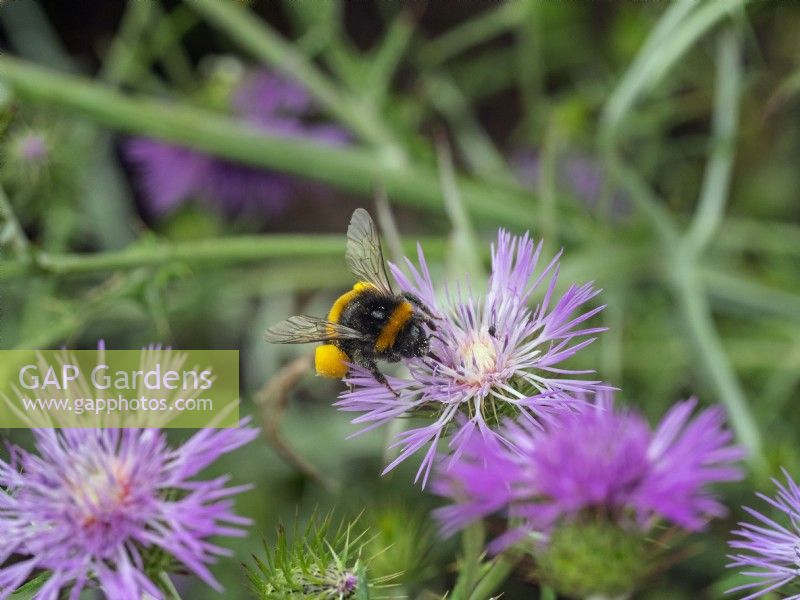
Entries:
{"x":368,"y":323}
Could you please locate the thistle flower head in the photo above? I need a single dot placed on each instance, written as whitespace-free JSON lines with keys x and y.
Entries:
{"x":600,"y":461}
{"x":493,"y":357}
{"x":767,"y":549}
{"x":97,"y":504}
{"x":32,"y":147}
{"x":27,"y":155}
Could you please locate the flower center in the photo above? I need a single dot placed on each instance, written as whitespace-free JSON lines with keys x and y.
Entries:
{"x":99,"y":491}
{"x":478,"y":356}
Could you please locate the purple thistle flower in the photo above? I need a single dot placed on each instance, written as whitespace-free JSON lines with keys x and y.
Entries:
{"x":498,"y":356}
{"x":93,"y":502}
{"x":580,"y":174}
{"x":170,"y":174}
{"x":600,"y":460}
{"x":770,"y":551}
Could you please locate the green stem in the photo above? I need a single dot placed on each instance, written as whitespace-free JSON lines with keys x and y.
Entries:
{"x":751,"y":295}
{"x":387,"y":58}
{"x":683,"y":24}
{"x":546,"y":186}
{"x":168,"y":586}
{"x":471,"y":33}
{"x":266,"y":44}
{"x":200,"y":253}
{"x":472,"y":539}
{"x":124,"y":51}
{"x":351,"y":169}
{"x":11,"y":233}
{"x":474,"y":142}
{"x":681,"y":258}
{"x":700,"y":325}
{"x":774,"y":237}
{"x":495,"y":576}
{"x":717,"y":178}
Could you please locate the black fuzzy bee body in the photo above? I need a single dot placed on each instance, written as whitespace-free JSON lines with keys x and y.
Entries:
{"x":370,"y":322}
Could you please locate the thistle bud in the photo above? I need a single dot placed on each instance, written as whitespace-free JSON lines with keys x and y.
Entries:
{"x":316,"y":563}
{"x":593,"y":558}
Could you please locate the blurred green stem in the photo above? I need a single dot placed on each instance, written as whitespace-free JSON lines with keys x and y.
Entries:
{"x":530,"y":64}
{"x":200,"y":253}
{"x":387,"y":58}
{"x":751,"y":295}
{"x":499,"y":571}
{"x":472,"y":539}
{"x":167,"y":586}
{"x":473,"y":141}
{"x":684,"y":22}
{"x":546,"y":187}
{"x":266,"y":44}
{"x":477,"y":30}
{"x":716,"y":182}
{"x":697,"y":315}
{"x":682,"y":252}
{"x":11,"y":234}
{"x":351,"y":169}
{"x":125,"y":49}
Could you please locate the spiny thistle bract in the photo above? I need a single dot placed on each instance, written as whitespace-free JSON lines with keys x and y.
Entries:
{"x":318,"y":563}
{"x":401,"y":544}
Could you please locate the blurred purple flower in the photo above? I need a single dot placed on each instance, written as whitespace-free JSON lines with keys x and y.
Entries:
{"x":93,"y":502}
{"x":170,"y":174}
{"x":601,"y":459}
{"x":580,"y":175}
{"x":770,"y":551}
{"x":497,"y":356}
{"x":33,"y":147}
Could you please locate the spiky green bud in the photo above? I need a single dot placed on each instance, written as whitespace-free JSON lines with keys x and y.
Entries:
{"x":316,"y":564}
{"x":593,"y":557}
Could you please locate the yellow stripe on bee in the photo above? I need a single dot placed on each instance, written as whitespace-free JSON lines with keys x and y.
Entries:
{"x":399,"y":317}
{"x":335,"y":313}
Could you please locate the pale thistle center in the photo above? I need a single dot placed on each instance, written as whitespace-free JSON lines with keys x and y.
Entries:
{"x":478,"y":356}
{"x":100,"y":490}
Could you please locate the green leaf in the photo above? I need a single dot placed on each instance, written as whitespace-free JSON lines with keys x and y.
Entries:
{"x":30,"y":589}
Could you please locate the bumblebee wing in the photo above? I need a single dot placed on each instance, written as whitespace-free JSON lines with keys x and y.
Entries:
{"x":303,"y":329}
{"x":364,"y":255}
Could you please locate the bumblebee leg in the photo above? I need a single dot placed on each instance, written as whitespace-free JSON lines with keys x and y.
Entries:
{"x":421,"y":305}
{"x":437,"y":337}
{"x":370,"y":365}
{"x":432,"y":356}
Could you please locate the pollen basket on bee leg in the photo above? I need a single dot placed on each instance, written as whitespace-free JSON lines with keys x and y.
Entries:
{"x":331,"y":361}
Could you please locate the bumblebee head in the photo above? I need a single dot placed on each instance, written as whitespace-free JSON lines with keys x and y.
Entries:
{"x":413,"y":340}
